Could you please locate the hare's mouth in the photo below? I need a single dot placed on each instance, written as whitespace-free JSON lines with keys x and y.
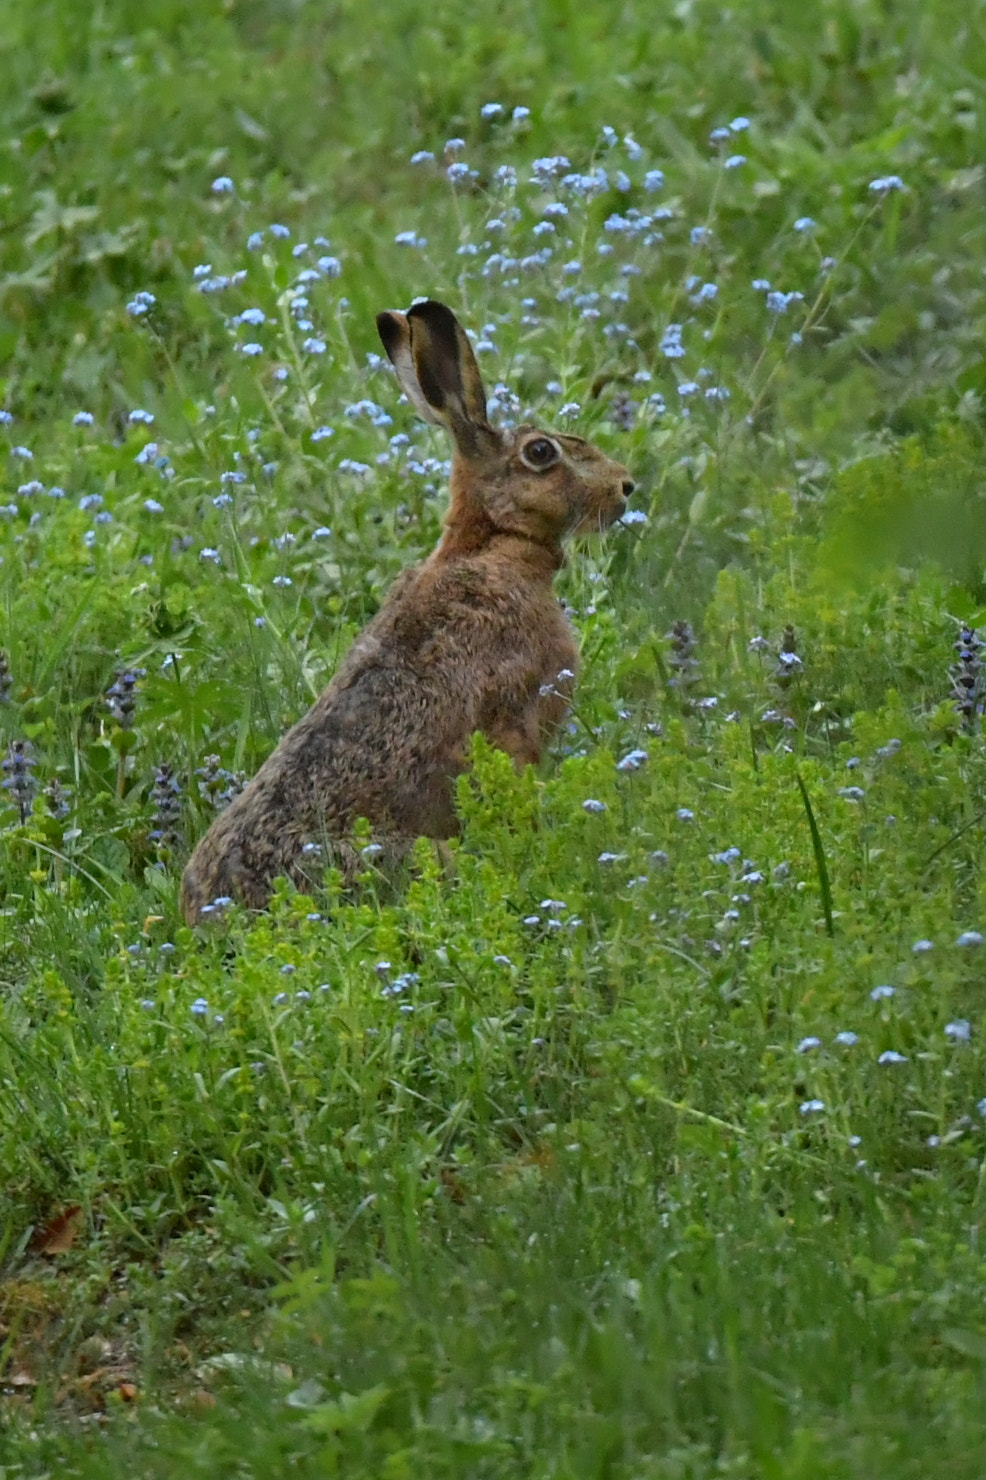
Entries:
{"x":622,"y":498}
{"x":597,"y":520}
{"x":618,"y":508}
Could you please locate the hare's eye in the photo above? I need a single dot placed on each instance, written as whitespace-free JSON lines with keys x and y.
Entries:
{"x":540,"y":453}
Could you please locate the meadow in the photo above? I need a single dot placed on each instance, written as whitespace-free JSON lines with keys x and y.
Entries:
{"x":648,"y":1142}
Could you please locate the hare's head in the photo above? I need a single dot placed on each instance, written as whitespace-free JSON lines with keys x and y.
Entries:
{"x":537,"y":484}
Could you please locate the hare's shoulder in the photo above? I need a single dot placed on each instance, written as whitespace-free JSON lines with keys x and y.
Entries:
{"x":452,"y":623}
{"x":450,"y":590}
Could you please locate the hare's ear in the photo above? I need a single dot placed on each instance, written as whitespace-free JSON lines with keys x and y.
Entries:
{"x":448,"y":375}
{"x":395,"y":335}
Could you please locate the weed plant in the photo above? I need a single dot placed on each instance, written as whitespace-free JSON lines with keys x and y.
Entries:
{"x":648,"y":1140}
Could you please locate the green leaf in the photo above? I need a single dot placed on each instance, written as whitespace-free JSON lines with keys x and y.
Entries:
{"x":820,"y":864}
{"x":350,"y":1413}
{"x":969,"y":1343}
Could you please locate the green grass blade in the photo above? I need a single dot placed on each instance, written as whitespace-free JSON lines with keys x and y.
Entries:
{"x":820,"y":864}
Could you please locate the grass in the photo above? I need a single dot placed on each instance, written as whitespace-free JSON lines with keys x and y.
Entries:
{"x":650,"y":1142}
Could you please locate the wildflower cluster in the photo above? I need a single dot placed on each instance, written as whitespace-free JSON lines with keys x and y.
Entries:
{"x":58,"y":800}
{"x":121,"y":696}
{"x":18,"y":776}
{"x":967,"y":677}
{"x":788,"y":665}
{"x":686,"y":671}
{"x":166,"y":800}
{"x":216,"y":785}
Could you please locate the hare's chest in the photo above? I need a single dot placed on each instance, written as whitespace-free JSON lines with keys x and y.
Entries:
{"x":558,"y":662}
{"x":530,"y":664}
{"x":559,"y":648}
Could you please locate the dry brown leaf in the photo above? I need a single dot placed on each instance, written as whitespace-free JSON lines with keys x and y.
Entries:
{"x":453,"y":1186}
{"x":59,"y":1234}
{"x":201,"y":1398}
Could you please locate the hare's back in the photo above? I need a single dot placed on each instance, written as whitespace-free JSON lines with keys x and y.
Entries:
{"x":382,"y":743}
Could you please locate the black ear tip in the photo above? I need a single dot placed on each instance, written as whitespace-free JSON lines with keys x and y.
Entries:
{"x":438,"y":315}
{"x":389,"y":329}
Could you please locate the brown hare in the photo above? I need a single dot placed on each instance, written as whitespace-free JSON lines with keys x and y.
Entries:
{"x":472,"y":639}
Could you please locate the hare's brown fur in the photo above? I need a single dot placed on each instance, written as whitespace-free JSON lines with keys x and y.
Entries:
{"x":472,"y":639}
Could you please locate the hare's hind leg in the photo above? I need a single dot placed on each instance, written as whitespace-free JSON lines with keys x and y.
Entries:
{"x":519,"y":737}
{"x":396,"y":861}
{"x":444,"y":855}
{"x":384,"y":854}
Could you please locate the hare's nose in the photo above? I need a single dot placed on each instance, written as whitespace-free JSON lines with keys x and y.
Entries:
{"x":628,"y":486}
